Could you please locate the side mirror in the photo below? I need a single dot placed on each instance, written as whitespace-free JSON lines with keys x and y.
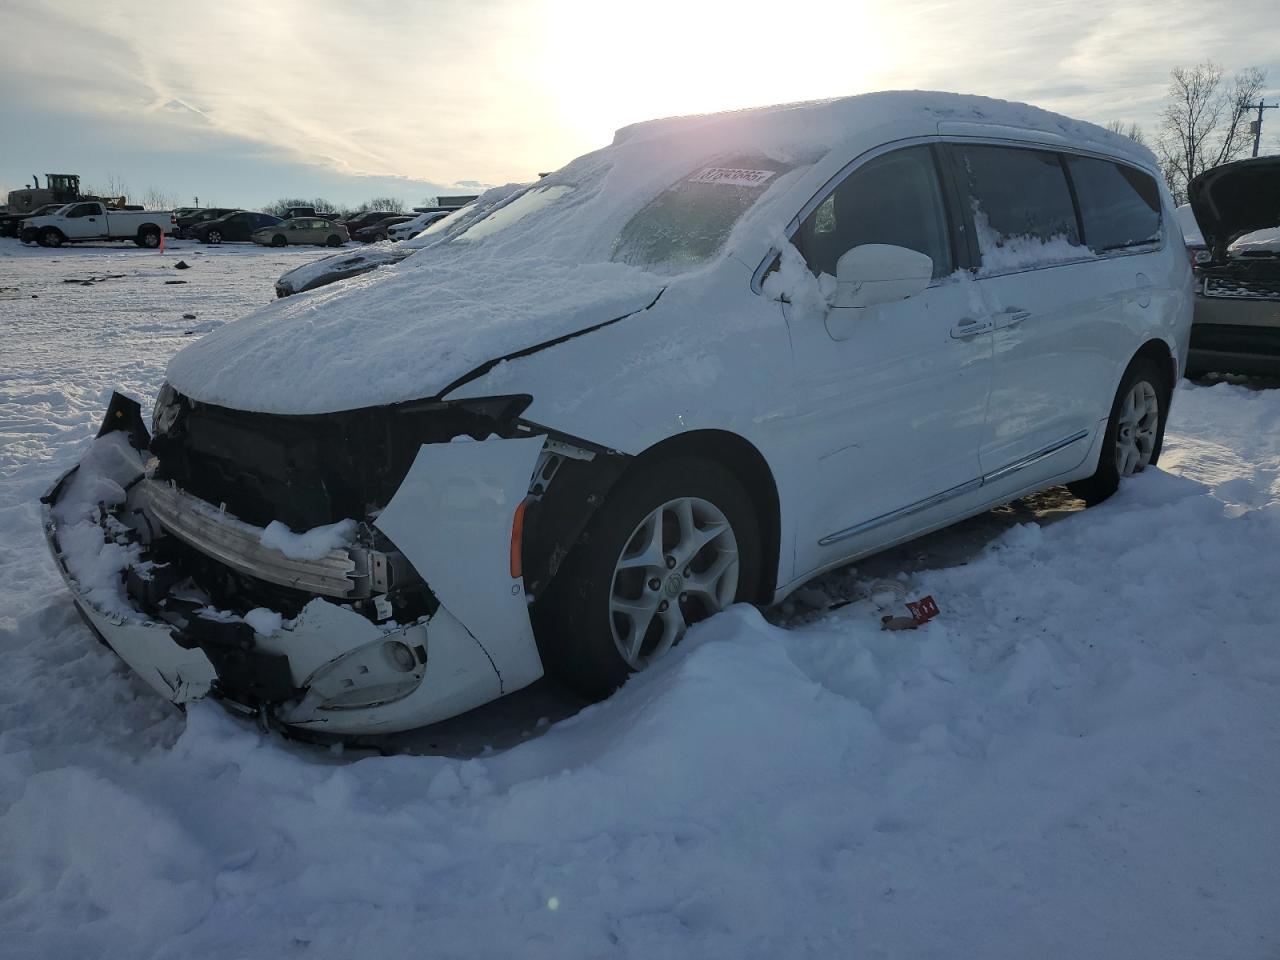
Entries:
{"x":876,"y":273}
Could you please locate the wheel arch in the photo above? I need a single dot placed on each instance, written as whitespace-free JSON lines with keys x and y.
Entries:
{"x":1162,"y":355}
{"x":579,"y":488}
{"x":747,"y":463}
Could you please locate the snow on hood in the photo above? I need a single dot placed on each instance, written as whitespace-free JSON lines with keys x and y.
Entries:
{"x":1258,"y":243}
{"x":1236,"y":199}
{"x":549,"y":268}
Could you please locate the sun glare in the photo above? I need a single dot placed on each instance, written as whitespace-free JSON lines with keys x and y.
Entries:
{"x":605,"y":66}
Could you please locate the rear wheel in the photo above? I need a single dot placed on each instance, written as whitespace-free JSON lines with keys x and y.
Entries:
{"x":147,"y":237}
{"x":675,"y":543}
{"x":333,"y":241}
{"x":213,"y":236}
{"x":50,"y":237}
{"x":1135,"y":431}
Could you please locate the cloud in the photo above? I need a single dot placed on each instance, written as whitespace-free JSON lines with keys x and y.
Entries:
{"x":468,"y":93}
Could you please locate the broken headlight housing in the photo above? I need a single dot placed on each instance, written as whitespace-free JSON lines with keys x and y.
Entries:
{"x":165,"y":413}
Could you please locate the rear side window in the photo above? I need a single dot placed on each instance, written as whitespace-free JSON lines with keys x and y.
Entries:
{"x":894,"y":199}
{"x":1120,"y":206}
{"x":1022,"y":209}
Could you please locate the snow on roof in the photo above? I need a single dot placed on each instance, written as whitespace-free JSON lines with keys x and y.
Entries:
{"x":1191,"y":234}
{"x":825,"y":123}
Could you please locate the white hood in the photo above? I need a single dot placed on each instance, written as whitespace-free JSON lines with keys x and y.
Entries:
{"x":403,"y":333}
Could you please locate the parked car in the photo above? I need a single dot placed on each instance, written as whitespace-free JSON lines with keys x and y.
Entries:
{"x":696,"y":367}
{"x":188,"y":220}
{"x":301,"y":230}
{"x":294,"y":212}
{"x":237,"y":226}
{"x":411,"y":228}
{"x":1237,"y":303}
{"x":341,"y":266}
{"x":28,"y":234}
{"x":91,"y":220}
{"x":369,"y":217}
{"x":380,"y":230}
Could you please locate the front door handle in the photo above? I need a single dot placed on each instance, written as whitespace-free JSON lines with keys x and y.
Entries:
{"x":971,"y":327}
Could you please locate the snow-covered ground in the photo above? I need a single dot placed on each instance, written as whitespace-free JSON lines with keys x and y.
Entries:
{"x":1079,"y":758}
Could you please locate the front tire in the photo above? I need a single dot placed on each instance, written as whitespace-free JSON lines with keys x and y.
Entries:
{"x":50,"y":237}
{"x":213,"y":236}
{"x":674,"y":543}
{"x":279,"y":240}
{"x":1135,"y":431}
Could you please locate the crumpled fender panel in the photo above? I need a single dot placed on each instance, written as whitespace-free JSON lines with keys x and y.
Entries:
{"x":452,"y":517}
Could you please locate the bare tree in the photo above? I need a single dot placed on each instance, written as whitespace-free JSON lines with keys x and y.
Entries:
{"x":1204,"y":121}
{"x":157,"y":199}
{"x":381,"y":205}
{"x":1131,"y":130}
{"x":280,"y":207}
{"x":116,"y":186}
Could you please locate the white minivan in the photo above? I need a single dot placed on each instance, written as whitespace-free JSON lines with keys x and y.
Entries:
{"x":695,"y":367}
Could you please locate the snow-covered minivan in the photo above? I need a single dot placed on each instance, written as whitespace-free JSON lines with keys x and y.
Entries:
{"x":696,"y":367}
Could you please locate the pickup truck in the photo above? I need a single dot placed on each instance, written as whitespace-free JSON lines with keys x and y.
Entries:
{"x":93,"y":221}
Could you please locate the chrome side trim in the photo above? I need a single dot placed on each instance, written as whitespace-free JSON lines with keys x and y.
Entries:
{"x":939,"y":498}
{"x":901,"y":512}
{"x":1034,"y":458}
{"x":340,"y":573}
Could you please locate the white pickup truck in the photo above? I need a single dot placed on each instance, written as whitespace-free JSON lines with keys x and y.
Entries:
{"x":90,"y":220}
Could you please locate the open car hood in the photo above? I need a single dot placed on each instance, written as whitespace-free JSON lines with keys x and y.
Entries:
{"x":1235,"y":199}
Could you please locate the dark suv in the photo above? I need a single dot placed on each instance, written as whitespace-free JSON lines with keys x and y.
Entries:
{"x":1237,"y":313}
{"x":238,"y":225}
{"x":190,"y":219}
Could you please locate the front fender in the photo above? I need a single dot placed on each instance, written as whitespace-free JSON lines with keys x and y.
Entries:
{"x":452,"y":516}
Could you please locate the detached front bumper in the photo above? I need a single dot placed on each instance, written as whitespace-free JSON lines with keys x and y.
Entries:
{"x":330,"y":668}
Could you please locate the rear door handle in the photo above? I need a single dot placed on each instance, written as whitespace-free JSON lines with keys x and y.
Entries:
{"x":970,"y":327}
{"x":1011,"y":318}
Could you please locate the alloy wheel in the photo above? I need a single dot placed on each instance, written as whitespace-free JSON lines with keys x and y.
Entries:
{"x":679,"y":565}
{"x":1137,"y":428}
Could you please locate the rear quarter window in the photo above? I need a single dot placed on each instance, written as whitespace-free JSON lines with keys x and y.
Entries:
{"x":1120,"y":206}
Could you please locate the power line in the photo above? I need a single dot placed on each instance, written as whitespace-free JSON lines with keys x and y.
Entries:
{"x":1255,"y":126}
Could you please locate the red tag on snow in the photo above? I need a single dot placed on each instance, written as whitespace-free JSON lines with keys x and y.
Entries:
{"x":923,"y":610}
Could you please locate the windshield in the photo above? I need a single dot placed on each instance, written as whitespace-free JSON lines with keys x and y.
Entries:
{"x":659,"y":227}
{"x":689,"y":221}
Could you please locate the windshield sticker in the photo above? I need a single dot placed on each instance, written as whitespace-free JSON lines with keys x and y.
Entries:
{"x":731,"y":176}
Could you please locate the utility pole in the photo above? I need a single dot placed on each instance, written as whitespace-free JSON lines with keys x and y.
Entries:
{"x":1255,"y":126}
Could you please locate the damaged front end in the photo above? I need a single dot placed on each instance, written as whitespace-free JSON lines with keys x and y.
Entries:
{"x":417,"y":612}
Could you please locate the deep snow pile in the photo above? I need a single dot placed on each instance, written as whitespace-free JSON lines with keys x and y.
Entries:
{"x":1079,"y":758}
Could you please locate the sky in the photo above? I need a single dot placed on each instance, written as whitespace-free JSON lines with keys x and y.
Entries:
{"x":241,"y":103}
